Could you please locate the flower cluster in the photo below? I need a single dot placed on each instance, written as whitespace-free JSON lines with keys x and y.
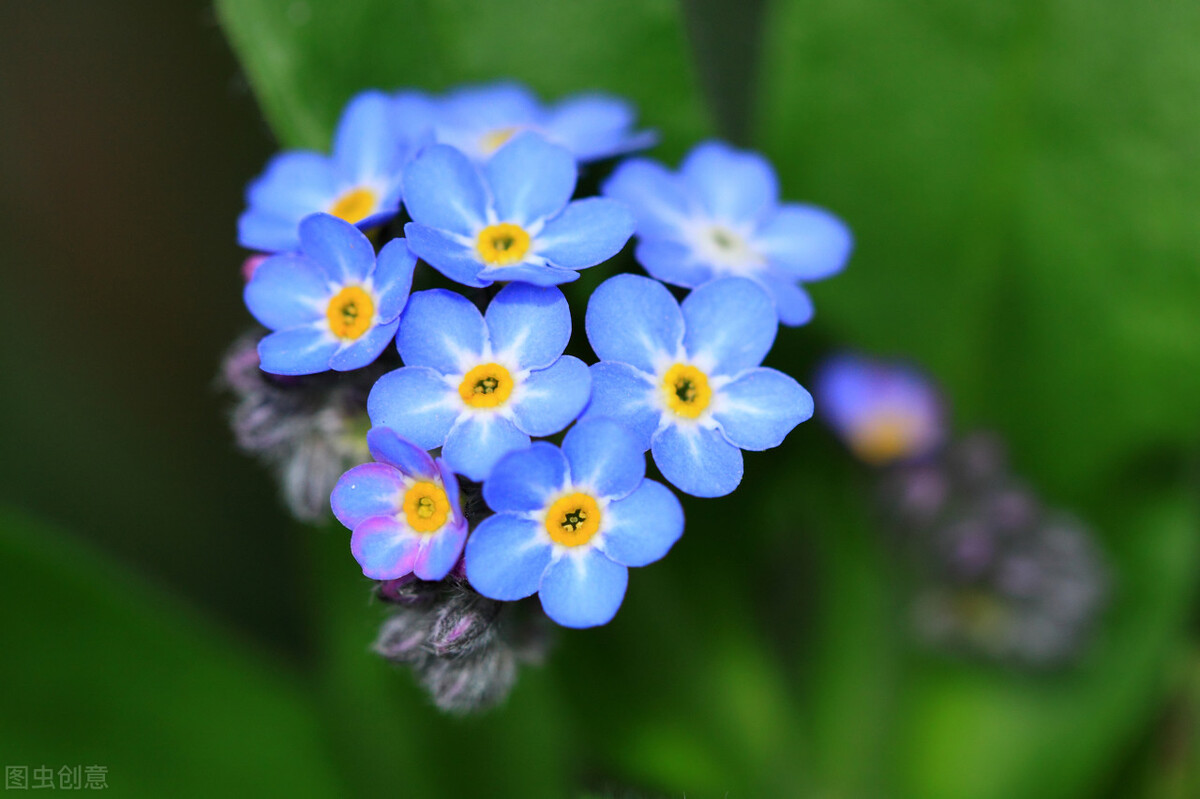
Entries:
{"x":472,"y":199}
{"x":1000,"y":575}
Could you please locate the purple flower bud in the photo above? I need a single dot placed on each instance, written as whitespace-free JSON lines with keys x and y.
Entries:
{"x":402,"y":637}
{"x":472,"y":683}
{"x":463,"y":624}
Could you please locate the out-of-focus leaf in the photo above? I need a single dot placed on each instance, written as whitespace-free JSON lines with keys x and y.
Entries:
{"x":99,"y":669}
{"x":306,"y":59}
{"x":1024,"y":182}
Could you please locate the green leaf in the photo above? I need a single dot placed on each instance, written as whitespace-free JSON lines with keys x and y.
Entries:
{"x":101,"y":669}
{"x":306,"y":59}
{"x":1023,"y":184}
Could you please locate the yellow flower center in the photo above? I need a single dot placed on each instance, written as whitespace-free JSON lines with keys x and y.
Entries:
{"x":573,"y":520}
{"x":503,"y":244}
{"x":493,"y":140}
{"x":356,"y":204}
{"x":426,"y":507}
{"x":686,"y":390}
{"x":486,"y":386}
{"x":884,"y":438}
{"x":350,"y":312}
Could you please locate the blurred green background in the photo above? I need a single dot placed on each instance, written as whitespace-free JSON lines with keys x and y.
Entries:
{"x":1023,"y":179}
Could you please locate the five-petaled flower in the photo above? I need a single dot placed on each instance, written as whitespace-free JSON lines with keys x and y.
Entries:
{"x":721,"y":216}
{"x":511,"y":219}
{"x":403,"y":510}
{"x":360,"y":182}
{"x":478,"y":120}
{"x":570,"y":522}
{"x":687,"y":381}
{"x":333,"y":304}
{"x":479,"y":386}
{"x":885,"y":412}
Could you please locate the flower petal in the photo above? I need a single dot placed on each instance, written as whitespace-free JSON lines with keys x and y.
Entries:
{"x":365,"y":145}
{"x":584,"y":589}
{"x":634,"y":320}
{"x":387,"y":446}
{"x":393,"y":278}
{"x":792,"y":303}
{"x":364,"y":349}
{"x":806,"y":242}
{"x":371,"y":489}
{"x":643,"y":526}
{"x":530,"y":179}
{"x":654,"y":195}
{"x":758,"y":409}
{"x":524,"y":481}
{"x":506,"y":557}
{"x":672,"y":262}
{"x":440,"y":551}
{"x":553,"y":397}
{"x":734,"y":185}
{"x":384,"y":547}
{"x":534,"y":274}
{"x":417,"y":403}
{"x":450,"y":483}
{"x":266,"y":232}
{"x":444,"y":190}
{"x":287,"y":290}
{"x":444,"y":253}
{"x":621,"y":392}
{"x":595,"y":126}
{"x":338,"y":247}
{"x":697,"y":461}
{"x":730,"y":325}
{"x":529,"y":325}
{"x":586,"y":233}
{"x":297,"y":351}
{"x":477,"y":441}
{"x":605,"y":458}
{"x":442,"y":330}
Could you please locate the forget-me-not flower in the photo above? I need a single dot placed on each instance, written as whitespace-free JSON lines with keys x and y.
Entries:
{"x":403,"y":510}
{"x":479,"y":386}
{"x":360,"y":182}
{"x":332,"y":304}
{"x":570,"y":522}
{"x":686,"y":379}
{"x":885,"y":412}
{"x":510,"y":219}
{"x":478,"y":120}
{"x":720,"y":216}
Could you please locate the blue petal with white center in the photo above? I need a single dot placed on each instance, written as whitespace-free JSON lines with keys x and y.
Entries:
{"x":643,"y":526}
{"x":444,"y":190}
{"x":340,"y":249}
{"x":583,"y":590}
{"x":634,"y":320}
{"x":529,"y":325}
{"x":527,"y":480}
{"x":619,"y":391}
{"x":506,"y":556}
{"x":552,"y":398}
{"x":437,"y":554}
{"x":732,"y":185}
{"x":365,"y":349}
{"x":287,"y":290}
{"x":604,"y":457}
{"x":587,"y":232}
{"x":730,"y":325}
{"x":441,"y":330}
{"x":387,"y":446}
{"x":446,"y":251}
{"x":672,"y":262}
{"x":759,"y":408}
{"x":697,"y":460}
{"x":595,"y":126}
{"x":530,"y":179}
{"x":417,"y":403}
{"x":476,"y":442}
{"x":297,"y":351}
{"x":367,"y":490}
{"x":656,"y":197}
{"x":394,"y":275}
{"x":806,"y":242}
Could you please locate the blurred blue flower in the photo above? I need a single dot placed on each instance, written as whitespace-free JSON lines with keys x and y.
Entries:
{"x":687,"y":380}
{"x":404,"y":511}
{"x":885,"y":412}
{"x":478,"y":120}
{"x":479,"y":386}
{"x":570,"y":522}
{"x":360,"y":182}
{"x":333,"y":304}
{"x":720,"y":216}
{"x":510,"y":219}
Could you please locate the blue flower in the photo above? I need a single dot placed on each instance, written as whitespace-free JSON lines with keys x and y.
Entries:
{"x":480,"y":386}
{"x":359,"y":183}
{"x":478,"y":120}
{"x":720,"y":216}
{"x":687,"y":379}
{"x":885,"y":412}
{"x":570,"y":522}
{"x":404,"y":511}
{"x":510,"y":219}
{"x":333,"y":304}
